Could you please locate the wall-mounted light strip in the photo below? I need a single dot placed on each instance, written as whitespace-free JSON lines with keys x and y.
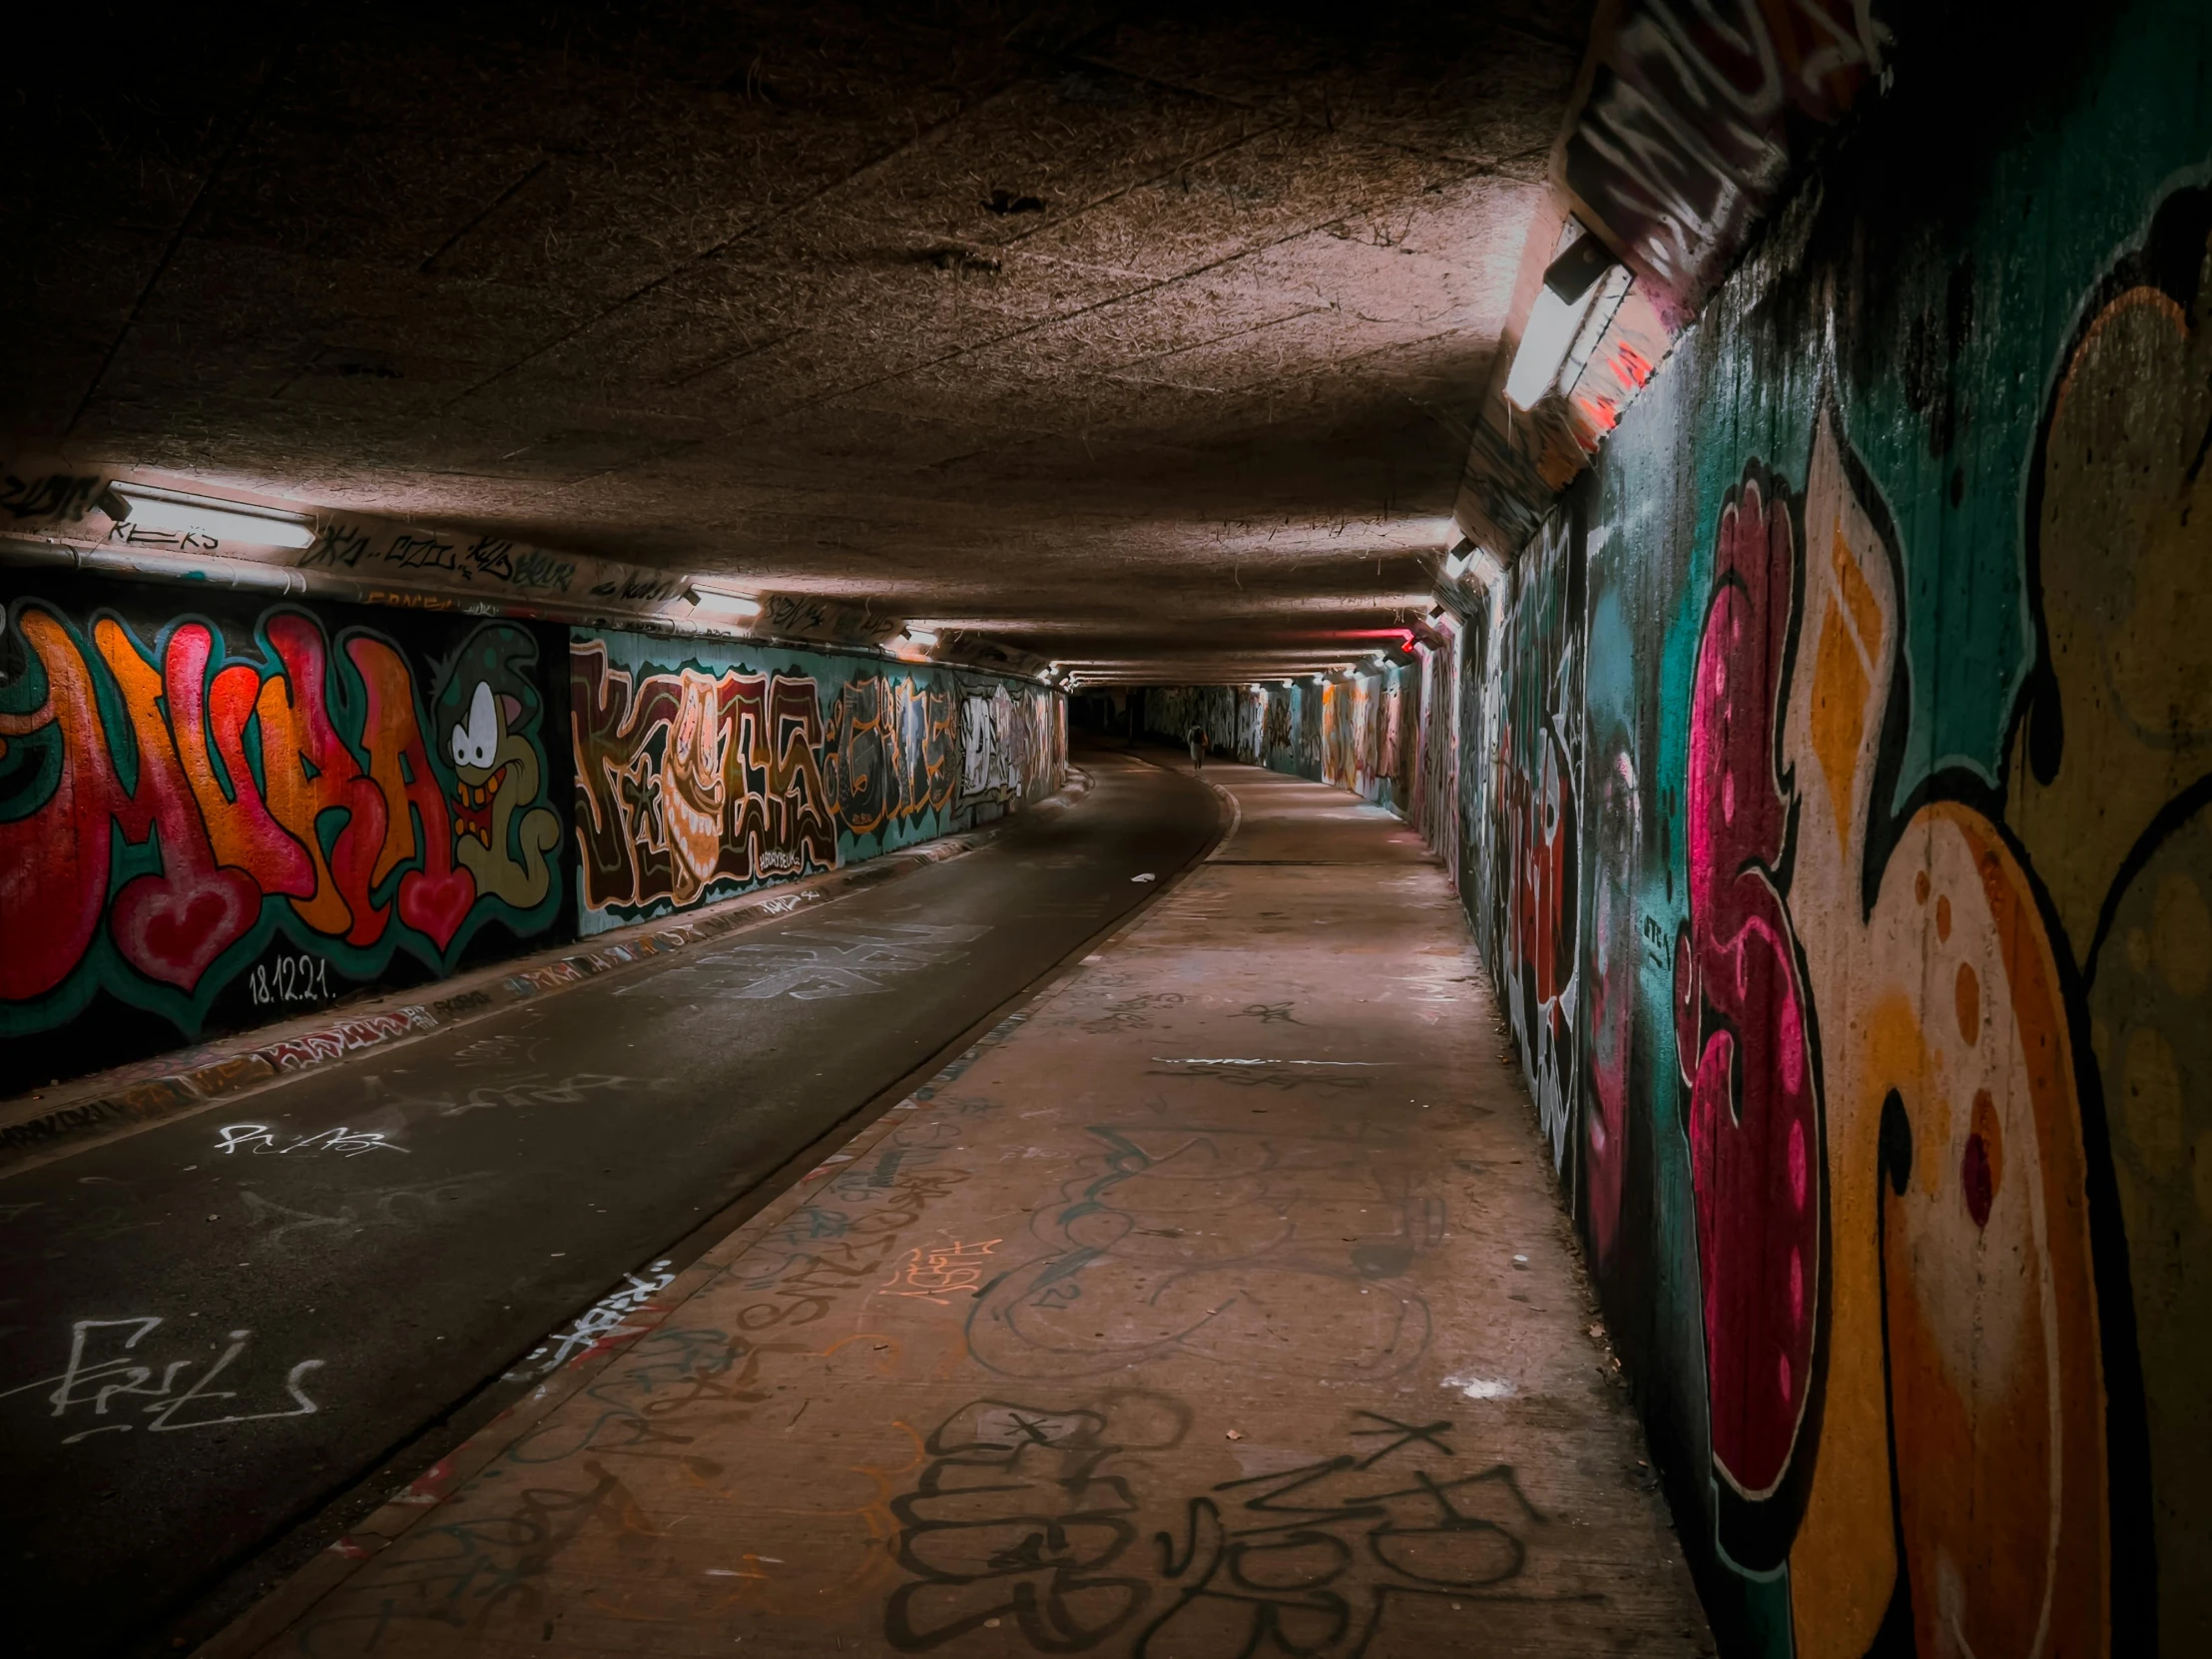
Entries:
{"x":714,"y":604}
{"x":165,"y":512}
{"x":1571,"y":285}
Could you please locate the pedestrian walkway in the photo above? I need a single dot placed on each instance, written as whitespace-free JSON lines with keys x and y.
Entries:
{"x":1219,"y":1305}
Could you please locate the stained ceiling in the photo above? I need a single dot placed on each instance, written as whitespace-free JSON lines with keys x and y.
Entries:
{"x":1144,"y":339}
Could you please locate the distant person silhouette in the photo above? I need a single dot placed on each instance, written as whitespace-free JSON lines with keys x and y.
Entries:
{"x":1197,"y":735}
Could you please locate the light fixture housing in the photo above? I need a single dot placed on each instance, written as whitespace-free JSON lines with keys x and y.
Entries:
{"x":217,"y":522}
{"x":923,"y":637}
{"x":721,"y":604}
{"x":1570,"y":287}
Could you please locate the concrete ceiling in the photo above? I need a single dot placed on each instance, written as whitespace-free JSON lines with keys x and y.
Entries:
{"x":1142,"y":336}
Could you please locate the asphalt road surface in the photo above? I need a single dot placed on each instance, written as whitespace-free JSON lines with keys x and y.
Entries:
{"x":211,"y":1331}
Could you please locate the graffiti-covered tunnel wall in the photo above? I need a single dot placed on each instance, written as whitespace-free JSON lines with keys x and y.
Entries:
{"x":1359,"y":731}
{"x":1834,"y":779}
{"x":704,"y":769}
{"x":216,"y":811}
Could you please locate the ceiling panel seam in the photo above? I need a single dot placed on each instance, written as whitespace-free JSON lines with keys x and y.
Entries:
{"x":928,"y":135}
{"x":1111,"y":300}
{"x":246,"y":118}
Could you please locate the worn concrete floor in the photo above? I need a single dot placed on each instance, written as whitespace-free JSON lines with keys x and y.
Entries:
{"x":1220,"y":1305}
{"x":234,"y":1318}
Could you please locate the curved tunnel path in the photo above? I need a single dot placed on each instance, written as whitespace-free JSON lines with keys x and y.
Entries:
{"x":1222,"y":1306}
{"x":213,"y":1328}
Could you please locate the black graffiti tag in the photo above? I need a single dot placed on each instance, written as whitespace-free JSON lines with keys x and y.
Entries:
{"x":1017,"y":1517}
{"x":1323,"y":1548}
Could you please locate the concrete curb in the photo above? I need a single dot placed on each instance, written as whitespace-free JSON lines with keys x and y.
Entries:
{"x":35,"y":1128}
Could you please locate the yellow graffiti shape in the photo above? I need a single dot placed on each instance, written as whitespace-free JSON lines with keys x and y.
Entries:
{"x":1961,"y":1317}
{"x":2125,"y":536}
{"x":2118,"y":827}
{"x":503,"y":782}
{"x":1997,"y":1392}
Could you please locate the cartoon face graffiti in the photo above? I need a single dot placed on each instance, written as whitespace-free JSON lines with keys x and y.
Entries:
{"x":504,"y":833}
{"x":483,"y":752}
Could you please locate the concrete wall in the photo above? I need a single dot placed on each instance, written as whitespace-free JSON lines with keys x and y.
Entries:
{"x":216,"y":811}
{"x":1833,"y":772}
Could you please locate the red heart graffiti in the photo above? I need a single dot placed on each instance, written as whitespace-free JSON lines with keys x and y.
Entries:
{"x":434,"y":905}
{"x":171,"y":926}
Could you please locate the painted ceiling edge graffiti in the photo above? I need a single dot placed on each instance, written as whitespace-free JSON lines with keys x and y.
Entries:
{"x":1680,"y":141}
{"x":52,"y":512}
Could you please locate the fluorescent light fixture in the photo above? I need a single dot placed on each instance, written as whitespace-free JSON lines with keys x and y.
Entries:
{"x":923,"y":637}
{"x":220,"y":522}
{"x":708,"y":600}
{"x":1471,"y":561}
{"x":1595,"y":320}
{"x":1570,"y":288}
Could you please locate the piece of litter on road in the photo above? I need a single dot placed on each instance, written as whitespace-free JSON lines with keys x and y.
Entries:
{"x":722,"y":1572}
{"x":1146,"y":876}
{"x":1520,"y":1260}
{"x":1236,"y":1434}
{"x":1480,"y":1388}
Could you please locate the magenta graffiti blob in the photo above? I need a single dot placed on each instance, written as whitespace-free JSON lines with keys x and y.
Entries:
{"x":1740,"y":1017}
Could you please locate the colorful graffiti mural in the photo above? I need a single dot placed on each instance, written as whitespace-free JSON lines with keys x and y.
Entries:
{"x":1235,"y":719}
{"x":702,"y":769}
{"x":1361,"y":732}
{"x":181,"y":790}
{"x":1531,"y":735}
{"x":1433,"y":719}
{"x":687,"y":779}
{"x":1958,"y":1457}
{"x":1836,"y":776}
